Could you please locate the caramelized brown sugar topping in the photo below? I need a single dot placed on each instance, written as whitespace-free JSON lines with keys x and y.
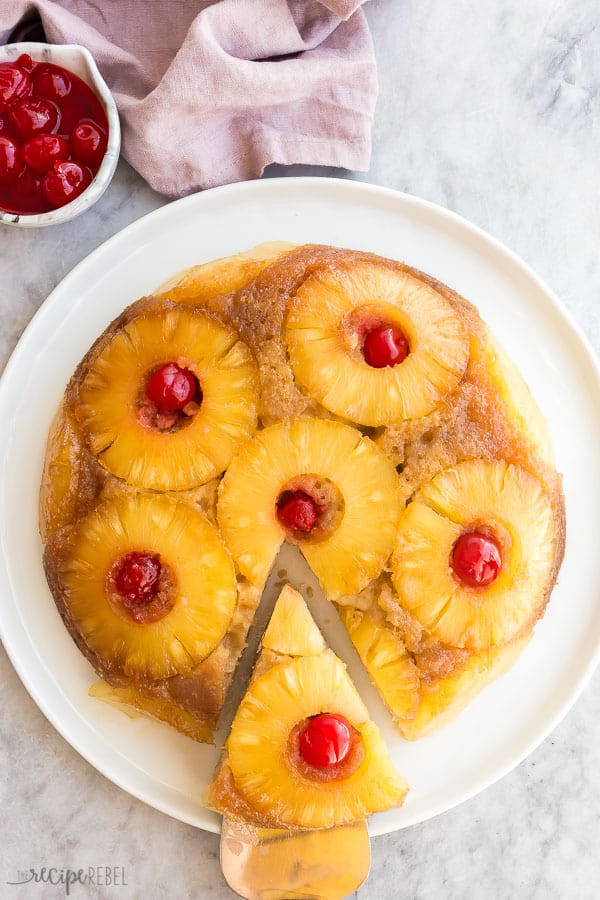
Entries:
{"x":453,"y":398}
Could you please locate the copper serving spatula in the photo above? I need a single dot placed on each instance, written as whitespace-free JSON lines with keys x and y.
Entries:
{"x":280,"y":864}
{"x":273,"y":863}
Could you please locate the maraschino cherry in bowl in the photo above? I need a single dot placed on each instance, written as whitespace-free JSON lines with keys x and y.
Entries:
{"x":59,"y":133}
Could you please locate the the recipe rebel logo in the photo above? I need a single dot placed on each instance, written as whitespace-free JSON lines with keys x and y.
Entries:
{"x":92,"y":876}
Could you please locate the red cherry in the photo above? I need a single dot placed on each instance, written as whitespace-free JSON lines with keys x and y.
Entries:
{"x":43,"y":151}
{"x":137,"y":577}
{"x":326,"y":740}
{"x":476,"y":559}
{"x":33,"y":116}
{"x":51,"y":82}
{"x":171,"y":387}
{"x":297,"y":511}
{"x":15,"y":84}
{"x":65,"y":181}
{"x":88,"y":142}
{"x":25,"y":61}
{"x":385,"y":346}
{"x":11,"y":160}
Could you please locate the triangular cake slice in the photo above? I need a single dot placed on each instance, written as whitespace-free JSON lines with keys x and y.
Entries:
{"x":302,"y":751}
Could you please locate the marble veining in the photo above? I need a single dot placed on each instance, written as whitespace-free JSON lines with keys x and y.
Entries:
{"x":492,"y":110}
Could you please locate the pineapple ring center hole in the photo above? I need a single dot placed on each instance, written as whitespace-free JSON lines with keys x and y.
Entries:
{"x":394,"y":334}
{"x":153,"y":415}
{"x":338,"y":771}
{"x":141,"y":586}
{"x":314,"y":503}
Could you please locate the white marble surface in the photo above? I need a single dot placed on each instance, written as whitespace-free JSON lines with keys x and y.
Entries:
{"x":492,"y":110}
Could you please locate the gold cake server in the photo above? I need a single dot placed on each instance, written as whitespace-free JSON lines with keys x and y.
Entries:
{"x":278,"y":863}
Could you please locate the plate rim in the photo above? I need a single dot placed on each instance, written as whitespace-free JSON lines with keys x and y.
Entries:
{"x":286,"y":183}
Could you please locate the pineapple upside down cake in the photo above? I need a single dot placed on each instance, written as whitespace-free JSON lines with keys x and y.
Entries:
{"x":340,"y":401}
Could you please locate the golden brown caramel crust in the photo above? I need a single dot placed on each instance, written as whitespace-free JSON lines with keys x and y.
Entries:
{"x":474,"y":421}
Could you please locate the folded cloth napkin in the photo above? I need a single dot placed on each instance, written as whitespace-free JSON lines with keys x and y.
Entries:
{"x":212,"y":92}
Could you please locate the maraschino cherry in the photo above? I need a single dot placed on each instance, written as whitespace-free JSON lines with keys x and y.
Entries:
{"x":171,"y":387}
{"x":15,"y":84}
{"x":137,"y":577}
{"x":34,"y":115}
{"x":385,"y":345}
{"x":51,"y":82}
{"x":12,"y":163}
{"x":65,"y":181}
{"x":88,"y":143}
{"x":326,"y":740}
{"x":42,"y":151}
{"x":297,"y":511}
{"x":476,"y":559}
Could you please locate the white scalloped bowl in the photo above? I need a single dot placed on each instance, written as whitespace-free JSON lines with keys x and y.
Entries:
{"x":81,"y":62}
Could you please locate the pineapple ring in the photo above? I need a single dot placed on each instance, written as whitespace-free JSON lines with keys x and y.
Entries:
{"x":204,"y":283}
{"x":357,"y":550}
{"x":385,"y":658}
{"x":59,"y":490}
{"x":205,"y":591}
{"x":328,"y":362}
{"x":191,"y":456}
{"x":513,"y":504}
{"x":260,"y":759}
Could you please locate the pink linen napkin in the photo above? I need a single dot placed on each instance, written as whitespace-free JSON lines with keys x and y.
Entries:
{"x":212,"y":92}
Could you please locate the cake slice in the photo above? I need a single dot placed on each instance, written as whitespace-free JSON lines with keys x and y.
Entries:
{"x":302,"y":751}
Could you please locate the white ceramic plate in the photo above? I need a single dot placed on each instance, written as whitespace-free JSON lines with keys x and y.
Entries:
{"x":510,"y":718}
